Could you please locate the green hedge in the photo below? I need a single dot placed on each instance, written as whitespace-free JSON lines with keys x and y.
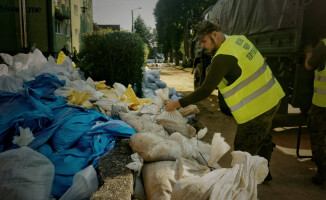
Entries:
{"x":114,"y":57}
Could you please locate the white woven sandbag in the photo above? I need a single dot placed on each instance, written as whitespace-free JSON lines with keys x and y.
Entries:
{"x":119,"y":107}
{"x":3,"y":70}
{"x":149,"y":117}
{"x":160,"y":177}
{"x":150,"y":108}
{"x":189,"y":110}
{"x":202,"y":151}
{"x":141,"y":124}
{"x":153,"y":148}
{"x":7,"y":58}
{"x":137,"y":163}
{"x":196,"y":187}
{"x":11,"y":84}
{"x":25,"y":174}
{"x":173,"y":122}
{"x":188,"y":150}
{"x":192,"y":131}
{"x":254,"y":172}
{"x":85,"y":183}
{"x":218,"y":148}
{"x":201,"y":133}
{"x":106,"y":104}
{"x":161,"y":96}
{"x":228,"y":184}
{"x":119,"y":89}
{"x":189,"y":167}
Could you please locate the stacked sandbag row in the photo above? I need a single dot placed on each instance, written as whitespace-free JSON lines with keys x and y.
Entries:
{"x":47,"y":105}
{"x":152,"y":82}
{"x":172,"y":162}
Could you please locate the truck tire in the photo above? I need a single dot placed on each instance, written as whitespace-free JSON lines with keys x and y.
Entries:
{"x":197,"y":76}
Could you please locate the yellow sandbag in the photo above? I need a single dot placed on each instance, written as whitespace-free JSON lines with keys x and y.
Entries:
{"x":144,"y":100}
{"x":100,"y":85}
{"x":131,"y":97}
{"x":79,"y":98}
{"x":61,"y":57}
{"x":132,"y":100}
{"x":109,"y":93}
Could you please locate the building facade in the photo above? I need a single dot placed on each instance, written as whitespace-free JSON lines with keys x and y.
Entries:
{"x":49,"y":25}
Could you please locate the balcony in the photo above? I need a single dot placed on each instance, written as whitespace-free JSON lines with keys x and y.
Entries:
{"x":62,"y":12}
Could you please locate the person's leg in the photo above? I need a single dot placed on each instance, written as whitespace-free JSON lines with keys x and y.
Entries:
{"x":255,"y":137}
{"x":318,"y":148}
{"x":317,"y":125}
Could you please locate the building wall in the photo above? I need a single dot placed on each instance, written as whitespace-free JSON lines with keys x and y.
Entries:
{"x":10,"y":26}
{"x":61,"y":25}
{"x":75,"y":23}
{"x":81,"y":20}
{"x":50,"y":25}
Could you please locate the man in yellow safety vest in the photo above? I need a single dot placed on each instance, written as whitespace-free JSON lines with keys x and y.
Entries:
{"x":316,"y":60}
{"x":247,"y":85}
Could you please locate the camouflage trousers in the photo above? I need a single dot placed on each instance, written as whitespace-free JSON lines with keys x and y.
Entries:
{"x":255,"y":136}
{"x":317,"y":126}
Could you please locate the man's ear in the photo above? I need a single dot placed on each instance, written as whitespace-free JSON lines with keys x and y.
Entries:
{"x":214,"y":34}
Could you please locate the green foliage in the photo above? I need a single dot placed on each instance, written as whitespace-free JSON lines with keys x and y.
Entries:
{"x":145,"y":33}
{"x":171,"y":17}
{"x":142,"y":30}
{"x":114,"y":57}
{"x":146,"y":54}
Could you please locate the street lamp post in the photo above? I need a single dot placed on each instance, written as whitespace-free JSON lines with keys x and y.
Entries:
{"x":132,"y":18}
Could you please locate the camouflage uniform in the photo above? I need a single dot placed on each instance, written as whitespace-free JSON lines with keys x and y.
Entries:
{"x":317,"y":119}
{"x":255,"y":136}
{"x":317,"y":125}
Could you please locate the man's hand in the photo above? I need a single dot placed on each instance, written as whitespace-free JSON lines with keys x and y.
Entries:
{"x":171,"y":105}
{"x":308,"y":49}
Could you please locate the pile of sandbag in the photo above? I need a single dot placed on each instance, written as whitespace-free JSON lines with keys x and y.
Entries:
{"x":51,"y":101}
{"x":172,"y":162}
{"x":152,"y":82}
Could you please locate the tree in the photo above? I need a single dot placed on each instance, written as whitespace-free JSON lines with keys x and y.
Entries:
{"x":145,"y":33}
{"x":171,"y":17}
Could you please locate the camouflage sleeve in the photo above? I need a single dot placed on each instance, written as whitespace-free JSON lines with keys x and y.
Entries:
{"x":318,"y":58}
{"x":221,"y":65}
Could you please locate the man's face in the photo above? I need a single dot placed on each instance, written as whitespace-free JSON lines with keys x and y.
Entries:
{"x":208,"y":43}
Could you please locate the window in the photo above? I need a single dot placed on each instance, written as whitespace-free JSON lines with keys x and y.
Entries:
{"x":68,"y":30}
{"x":57,"y":2}
{"x":76,"y":33}
{"x":75,"y":9}
{"x":58,"y":27}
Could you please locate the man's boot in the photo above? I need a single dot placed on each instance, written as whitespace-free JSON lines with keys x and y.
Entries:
{"x":320,"y":177}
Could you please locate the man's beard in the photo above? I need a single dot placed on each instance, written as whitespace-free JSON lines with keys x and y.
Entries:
{"x":215,"y":45}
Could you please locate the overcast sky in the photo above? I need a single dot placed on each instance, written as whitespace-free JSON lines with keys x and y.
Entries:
{"x":119,"y":12}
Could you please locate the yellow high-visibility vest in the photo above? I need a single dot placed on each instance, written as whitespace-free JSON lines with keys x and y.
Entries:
{"x":319,"y":97}
{"x":256,"y":90}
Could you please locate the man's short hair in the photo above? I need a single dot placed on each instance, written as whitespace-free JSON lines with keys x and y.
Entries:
{"x":206,"y":27}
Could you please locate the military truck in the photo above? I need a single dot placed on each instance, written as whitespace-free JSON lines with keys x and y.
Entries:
{"x":280,"y":30}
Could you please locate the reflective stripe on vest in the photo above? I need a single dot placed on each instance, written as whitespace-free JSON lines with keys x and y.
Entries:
{"x":256,"y":90}
{"x":319,"y":97}
{"x":320,"y":78}
{"x":244,"y":83}
{"x":320,"y":91}
{"x":253,"y":95}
